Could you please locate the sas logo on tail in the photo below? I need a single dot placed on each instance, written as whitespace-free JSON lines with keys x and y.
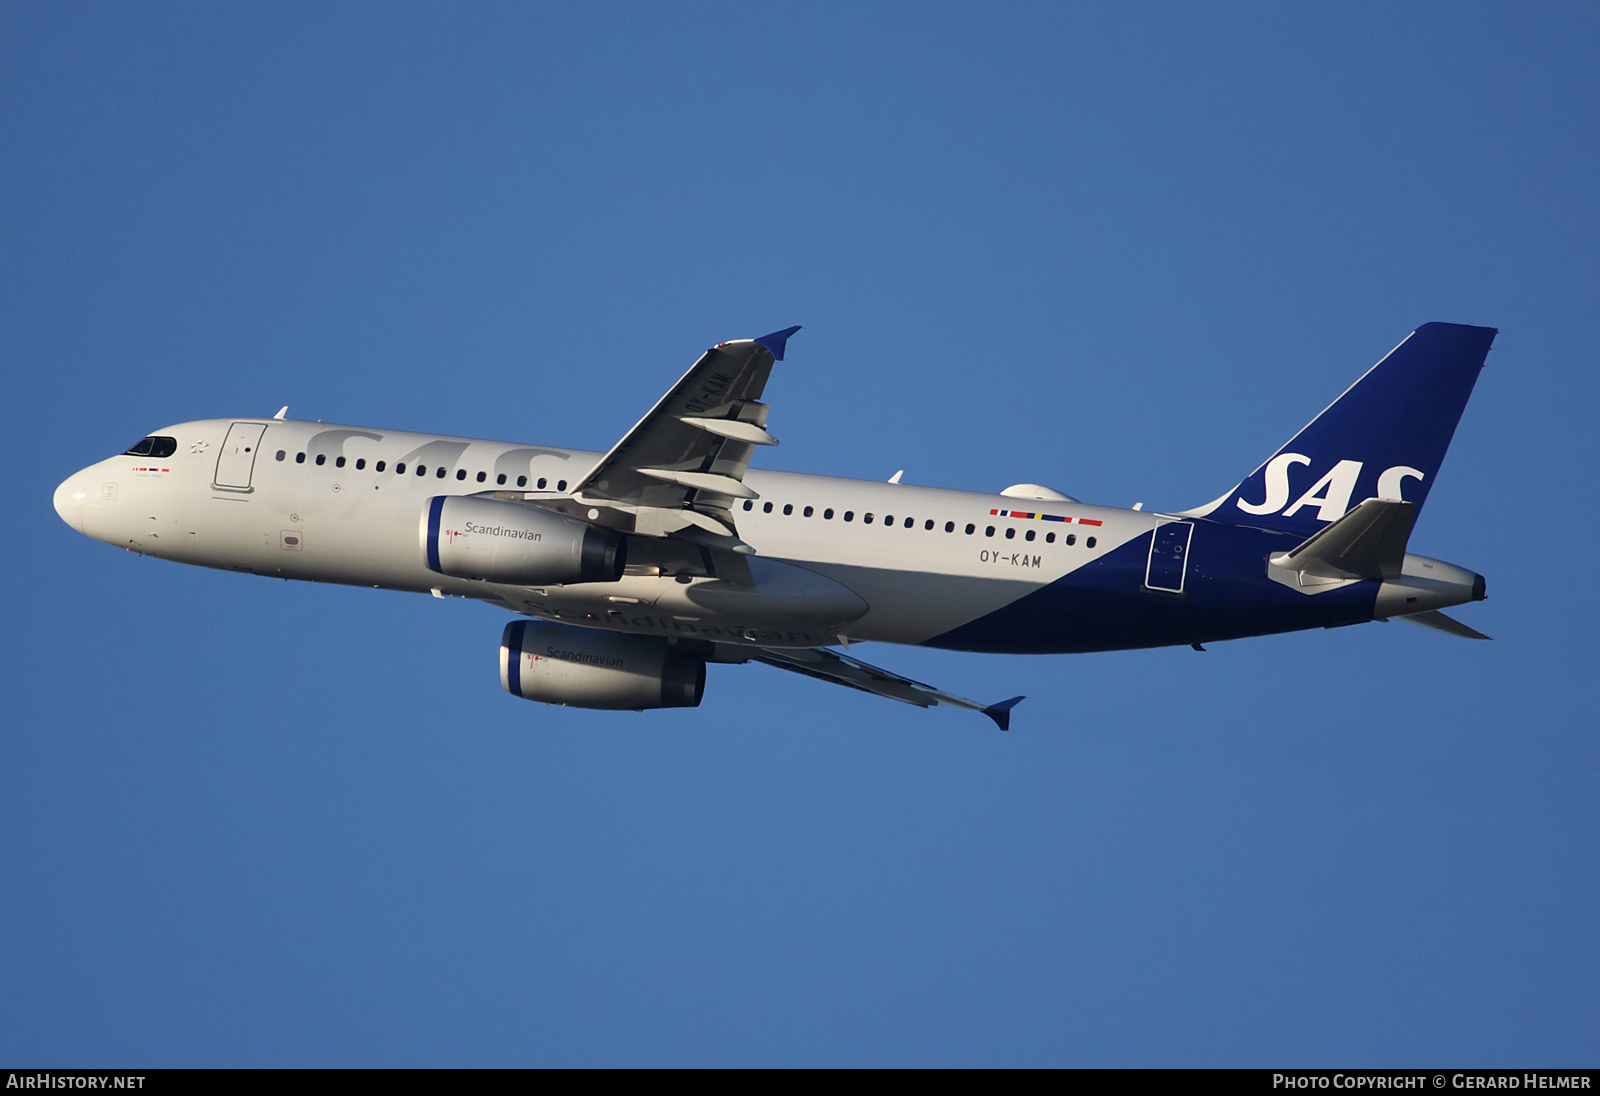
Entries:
{"x":1330,"y":494}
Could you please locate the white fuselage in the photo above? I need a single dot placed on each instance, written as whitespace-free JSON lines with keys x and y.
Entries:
{"x":918,"y":561}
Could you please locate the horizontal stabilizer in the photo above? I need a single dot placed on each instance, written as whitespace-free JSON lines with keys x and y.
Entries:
{"x":1367,"y":543}
{"x":1439,"y":622}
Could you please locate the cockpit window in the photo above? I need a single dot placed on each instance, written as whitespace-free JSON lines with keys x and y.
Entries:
{"x":154,"y":447}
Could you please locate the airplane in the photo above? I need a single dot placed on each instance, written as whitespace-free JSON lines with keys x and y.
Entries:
{"x":629,"y":571}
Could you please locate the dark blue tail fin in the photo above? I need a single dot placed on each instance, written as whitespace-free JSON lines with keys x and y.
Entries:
{"x":1384,"y":438}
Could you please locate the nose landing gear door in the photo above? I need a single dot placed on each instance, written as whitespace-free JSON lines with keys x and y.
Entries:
{"x":238,"y":457}
{"x":1169,"y":557}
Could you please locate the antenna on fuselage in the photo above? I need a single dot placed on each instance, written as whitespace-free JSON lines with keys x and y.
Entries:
{"x":282,"y":411}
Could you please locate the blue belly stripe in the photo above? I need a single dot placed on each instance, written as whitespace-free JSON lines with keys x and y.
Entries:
{"x":1104,"y":605}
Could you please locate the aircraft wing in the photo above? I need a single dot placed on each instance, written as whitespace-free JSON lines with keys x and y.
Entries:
{"x":681,"y":468}
{"x":841,"y":669}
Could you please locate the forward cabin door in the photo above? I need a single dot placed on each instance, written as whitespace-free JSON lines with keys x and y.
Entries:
{"x":1169,"y":557}
{"x":238,"y":457}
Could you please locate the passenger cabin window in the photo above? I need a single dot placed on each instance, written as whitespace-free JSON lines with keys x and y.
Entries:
{"x":440,"y":473}
{"x":154,"y":447}
{"x":806,"y":512}
{"x":400,"y":469}
{"x":561,"y":485}
{"x":970,"y":528}
{"x":501,"y":478}
{"x":461,"y":473}
{"x":361,"y":462}
{"x":281,"y":454}
{"x":748,"y":505}
{"x":1089,"y":543}
{"x":322,"y":458}
{"x":542,"y":482}
{"x":482,"y":476}
{"x":378,"y":467}
{"x":422,"y":469}
{"x":827,"y":515}
{"x":1072,"y":538}
{"x":949,"y":526}
{"x":522,"y":481}
{"x":338,"y":462}
{"x":299,"y":458}
{"x":766,"y":507}
{"x":849,"y":515}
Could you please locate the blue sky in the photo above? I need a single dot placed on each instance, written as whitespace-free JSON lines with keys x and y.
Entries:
{"x":1122,"y":250}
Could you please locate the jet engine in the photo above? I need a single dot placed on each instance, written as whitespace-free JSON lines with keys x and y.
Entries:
{"x":585,"y":668}
{"x":469,"y":537}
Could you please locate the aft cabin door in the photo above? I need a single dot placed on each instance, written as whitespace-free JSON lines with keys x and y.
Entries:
{"x":1169,"y":557}
{"x":238,"y":456}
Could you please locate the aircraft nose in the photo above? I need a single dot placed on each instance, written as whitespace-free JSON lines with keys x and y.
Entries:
{"x":69,"y":500}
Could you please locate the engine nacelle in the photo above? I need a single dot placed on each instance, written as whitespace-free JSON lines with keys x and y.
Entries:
{"x":585,"y":668}
{"x":468,"y":537}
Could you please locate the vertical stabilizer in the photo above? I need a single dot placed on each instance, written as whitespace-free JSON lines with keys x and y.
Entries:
{"x":1385,"y":438}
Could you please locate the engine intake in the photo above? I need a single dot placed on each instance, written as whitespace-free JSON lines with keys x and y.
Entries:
{"x":585,"y":668}
{"x":468,"y":537}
